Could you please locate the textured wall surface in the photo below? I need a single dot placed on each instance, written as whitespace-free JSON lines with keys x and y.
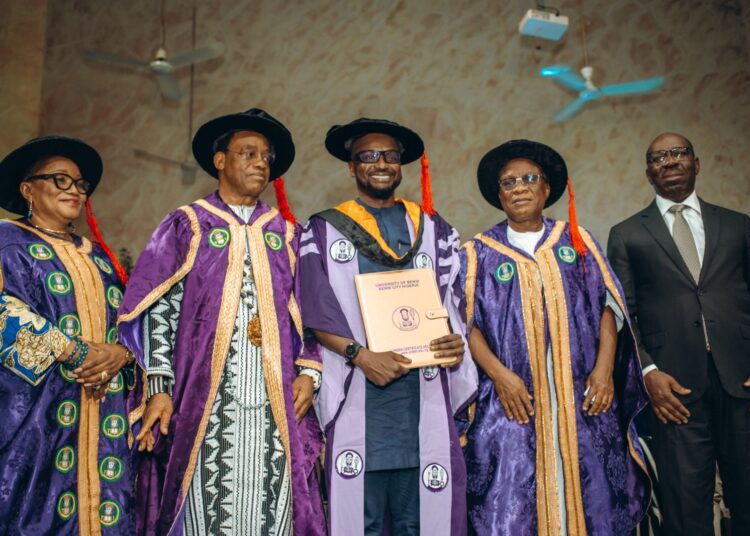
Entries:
{"x":22,"y":31}
{"x":456,"y":72}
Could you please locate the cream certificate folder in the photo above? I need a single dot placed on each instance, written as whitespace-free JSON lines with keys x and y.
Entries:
{"x":402,"y":313}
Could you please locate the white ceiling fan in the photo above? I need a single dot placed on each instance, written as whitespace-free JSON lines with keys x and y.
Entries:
{"x":162,"y":66}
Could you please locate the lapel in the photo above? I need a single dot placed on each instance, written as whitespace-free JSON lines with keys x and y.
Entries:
{"x":711,"y":226}
{"x":654,"y":223}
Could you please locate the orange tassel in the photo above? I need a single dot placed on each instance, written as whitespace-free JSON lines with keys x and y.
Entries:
{"x":282,"y":202}
{"x":122,"y":275}
{"x":575,"y":234}
{"x":427,"y":205}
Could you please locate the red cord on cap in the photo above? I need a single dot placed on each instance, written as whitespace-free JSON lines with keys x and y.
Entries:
{"x":122,"y":275}
{"x":575,"y":234}
{"x":427,"y":205}
{"x":282,"y":202}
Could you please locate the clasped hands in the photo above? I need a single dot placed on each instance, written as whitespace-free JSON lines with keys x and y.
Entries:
{"x":102,"y":363}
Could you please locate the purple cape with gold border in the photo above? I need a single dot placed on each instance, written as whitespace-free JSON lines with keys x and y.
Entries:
{"x":522,"y":306}
{"x":65,"y":465}
{"x":191,"y":244}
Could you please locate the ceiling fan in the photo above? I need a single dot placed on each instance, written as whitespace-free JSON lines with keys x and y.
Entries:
{"x":162,"y":66}
{"x":588,"y":91}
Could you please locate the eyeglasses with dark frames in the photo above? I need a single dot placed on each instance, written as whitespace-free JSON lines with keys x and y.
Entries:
{"x":370,"y":157}
{"x":63,"y":182}
{"x":658,"y":158}
{"x":250,"y":155}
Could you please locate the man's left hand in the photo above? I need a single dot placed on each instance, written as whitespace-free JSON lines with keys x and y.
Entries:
{"x":747,"y":382}
{"x":302,"y":388}
{"x":449,"y":347}
{"x":601,"y":391}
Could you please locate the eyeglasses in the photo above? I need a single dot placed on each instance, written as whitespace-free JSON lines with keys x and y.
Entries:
{"x":63,"y":181}
{"x":370,"y":157}
{"x":509,"y":183}
{"x":250,"y":155}
{"x":660,"y":157}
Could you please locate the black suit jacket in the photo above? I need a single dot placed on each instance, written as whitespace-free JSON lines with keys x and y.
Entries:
{"x":666,"y":305}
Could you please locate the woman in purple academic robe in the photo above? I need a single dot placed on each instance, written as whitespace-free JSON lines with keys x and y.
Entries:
{"x":64,"y":380}
{"x":552,"y":449}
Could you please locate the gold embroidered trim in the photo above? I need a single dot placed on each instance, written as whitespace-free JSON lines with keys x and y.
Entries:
{"x":471,"y":280}
{"x":309,"y":363}
{"x":559,"y":330}
{"x":228,"y":309}
{"x":2,"y":283}
{"x":181,"y":272}
{"x":294,"y":311}
{"x":612,"y":287}
{"x":366,"y":220}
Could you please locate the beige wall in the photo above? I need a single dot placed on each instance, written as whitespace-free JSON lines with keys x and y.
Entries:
{"x":22,"y":31}
{"x":456,"y":72}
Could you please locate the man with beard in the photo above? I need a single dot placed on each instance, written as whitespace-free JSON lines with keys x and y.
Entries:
{"x":395,"y":422}
{"x":684,"y":265}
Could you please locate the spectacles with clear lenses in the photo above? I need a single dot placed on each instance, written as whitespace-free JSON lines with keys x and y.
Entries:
{"x":509,"y":183}
{"x":657,"y":158}
{"x":63,"y":182}
{"x":249,"y":155}
{"x":370,"y":157}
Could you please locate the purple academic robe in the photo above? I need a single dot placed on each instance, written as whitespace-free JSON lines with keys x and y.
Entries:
{"x":522,"y":306}
{"x":203,"y":244}
{"x":330,"y":304}
{"x":64,"y":459}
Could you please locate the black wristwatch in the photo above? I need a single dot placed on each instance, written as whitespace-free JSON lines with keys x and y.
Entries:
{"x":351,"y":350}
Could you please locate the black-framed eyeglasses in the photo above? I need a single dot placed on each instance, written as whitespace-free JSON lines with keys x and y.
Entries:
{"x":370,"y":157}
{"x":510,"y":183}
{"x":657,"y":158}
{"x":63,"y":182}
{"x":250,"y":155}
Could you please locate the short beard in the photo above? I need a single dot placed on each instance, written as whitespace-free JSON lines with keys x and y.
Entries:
{"x":378,"y":193}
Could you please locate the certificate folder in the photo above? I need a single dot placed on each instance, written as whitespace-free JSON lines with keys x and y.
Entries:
{"x":402,"y":312}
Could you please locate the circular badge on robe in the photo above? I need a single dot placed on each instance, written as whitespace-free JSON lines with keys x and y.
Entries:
{"x":65,"y":459}
{"x":273,"y":240}
{"x":111,"y":337}
{"x":70,"y":324}
{"x":342,"y":250}
{"x":430,"y":373}
{"x":67,"y":413}
{"x":423,"y":260}
{"x":66,"y":374}
{"x":40,"y":251}
{"x":567,"y":254}
{"x":405,"y":318}
{"x":219,"y":237}
{"x":348,"y":464}
{"x":110,"y":468}
{"x":435,"y":477}
{"x":59,"y":283}
{"x":116,"y":384}
{"x":109,"y":513}
{"x":113,"y":426}
{"x":66,"y":505}
{"x":103,"y":265}
{"x":504,"y":272}
{"x":114,"y":296}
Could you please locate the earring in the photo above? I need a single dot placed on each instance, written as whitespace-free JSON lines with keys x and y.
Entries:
{"x":29,"y":213}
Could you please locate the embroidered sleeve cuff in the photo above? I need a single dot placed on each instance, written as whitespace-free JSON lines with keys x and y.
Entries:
{"x":158,"y":384}
{"x":317,"y":378}
{"x":619,"y":316}
{"x":310,"y":364}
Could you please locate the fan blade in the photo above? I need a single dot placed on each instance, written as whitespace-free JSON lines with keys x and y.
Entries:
{"x":570,"y":110}
{"x":169,"y":86}
{"x":197,"y":55}
{"x":637,"y":86}
{"x":109,"y":59}
{"x":151,"y":157}
{"x":565,"y":76}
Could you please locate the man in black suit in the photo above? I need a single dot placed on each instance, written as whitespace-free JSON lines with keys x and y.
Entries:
{"x":684,"y":265}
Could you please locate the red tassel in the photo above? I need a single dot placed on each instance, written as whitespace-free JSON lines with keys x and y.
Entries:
{"x":427,"y":205}
{"x":575,"y":234}
{"x":282,"y":202}
{"x":122,"y":275}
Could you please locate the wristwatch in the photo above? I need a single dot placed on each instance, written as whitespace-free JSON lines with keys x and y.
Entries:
{"x":351,"y":350}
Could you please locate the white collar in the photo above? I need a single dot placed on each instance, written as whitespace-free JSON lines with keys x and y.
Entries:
{"x":690,"y":201}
